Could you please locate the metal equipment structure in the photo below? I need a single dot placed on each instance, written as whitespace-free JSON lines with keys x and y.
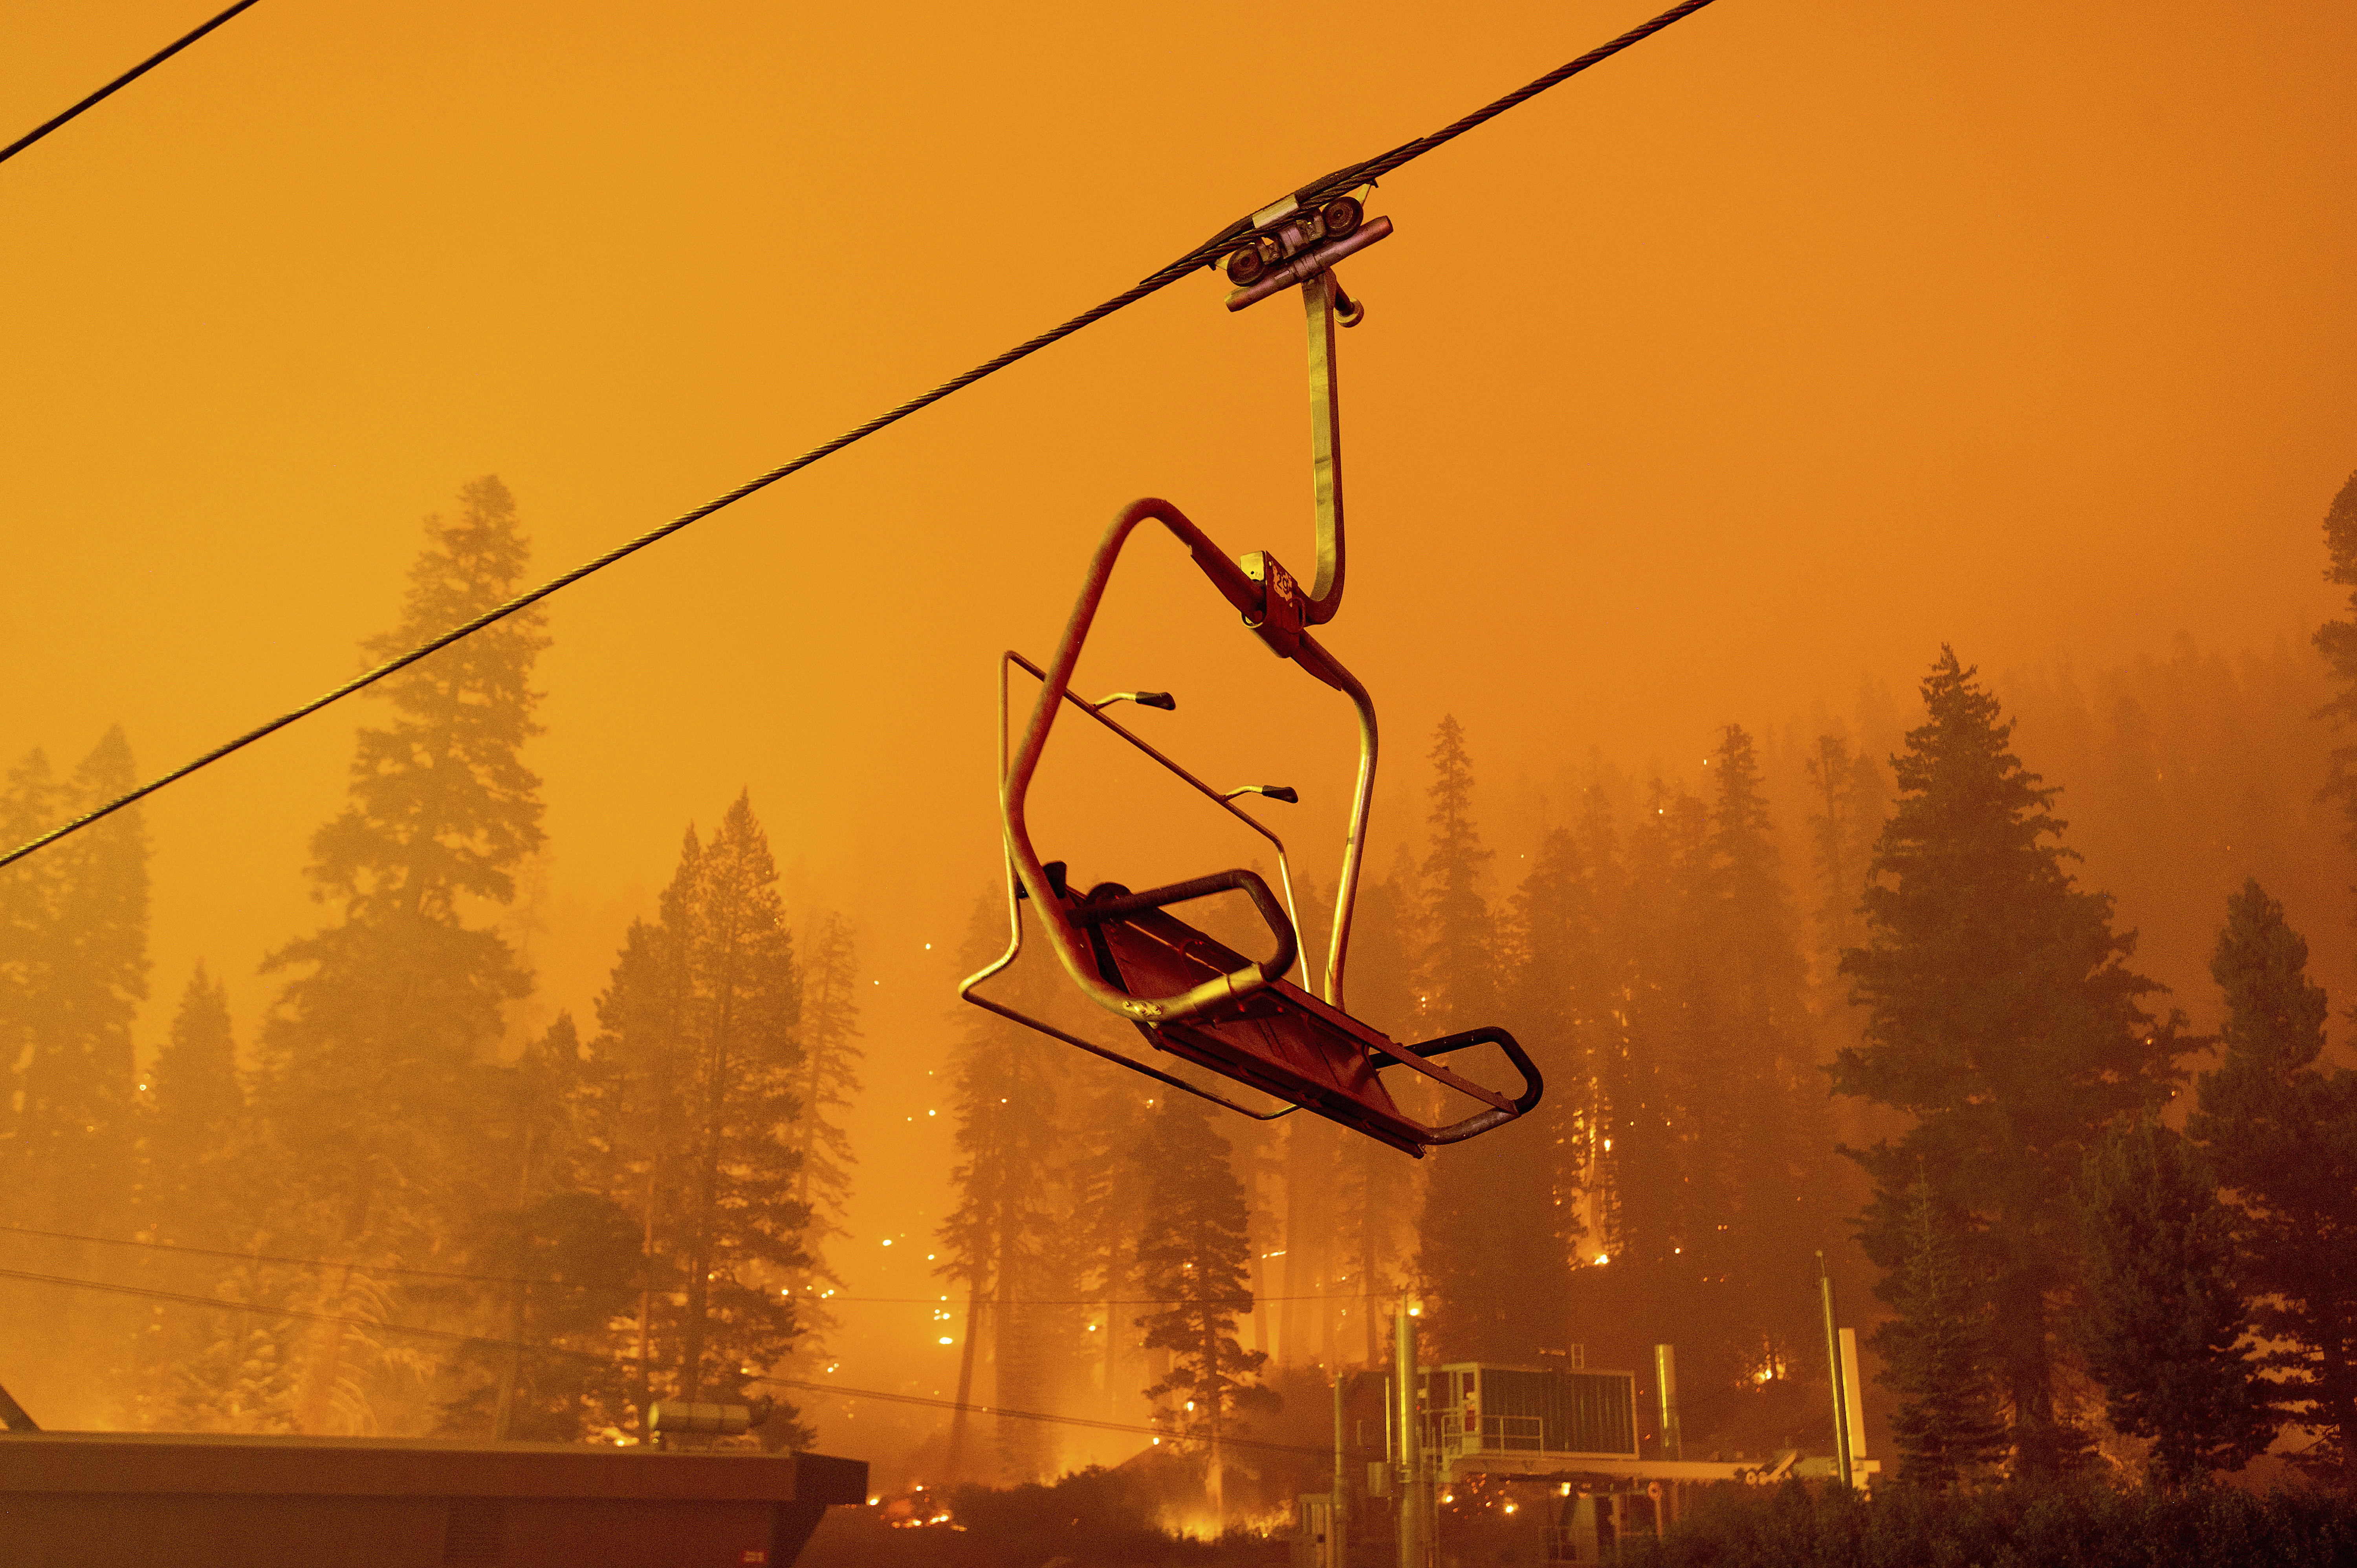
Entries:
{"x":1187,"y":993}
{"x":1573,"y":1432}
{"x":1500,"y":1420}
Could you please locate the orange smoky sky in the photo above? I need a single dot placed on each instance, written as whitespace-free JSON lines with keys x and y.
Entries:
{"x":1747,"y":367}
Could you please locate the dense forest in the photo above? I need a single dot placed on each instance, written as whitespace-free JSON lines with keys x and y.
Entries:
{"x":370,"y":1219}
{"x":1876,"y":990}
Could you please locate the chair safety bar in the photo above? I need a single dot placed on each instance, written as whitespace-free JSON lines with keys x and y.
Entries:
{"x":1119,"y":905}
{"x":1481,"y":1121}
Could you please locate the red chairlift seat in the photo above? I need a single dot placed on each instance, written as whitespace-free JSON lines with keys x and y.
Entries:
{"x":1188,"y":995}
{"x":1279,"y":1039}
{"x":1197,"y":998}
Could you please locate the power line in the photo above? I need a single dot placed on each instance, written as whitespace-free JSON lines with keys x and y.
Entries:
{"x":578,"y":1285}
{"x":1233,"y":1304}
{"x":292,"y":1263}
{"x":1226,"y":1442}
{"x":224,"y":1304}
{"x":120,"y":82}
{"x":1201,"y":256}
{"x":221,"y":1304}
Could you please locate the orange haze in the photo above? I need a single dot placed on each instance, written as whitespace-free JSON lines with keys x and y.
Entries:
{"x":1746,"y":369}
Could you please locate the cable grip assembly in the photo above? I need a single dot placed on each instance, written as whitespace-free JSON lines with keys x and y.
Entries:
{"x":1291,"y":246}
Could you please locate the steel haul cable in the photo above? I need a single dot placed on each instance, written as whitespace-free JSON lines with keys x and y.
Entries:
{"x":120,"y":82}
{"x":1201,"y":256}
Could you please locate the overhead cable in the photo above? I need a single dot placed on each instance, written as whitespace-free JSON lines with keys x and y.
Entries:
{"x":291,"y":1262}
{"x":624,"y":1361}
{"x":815,"y":1297}
{"x":1226,"y":1440}
{"x":224,"y":1304}
{"x":120,"y":82}
{"x":1204,"y":254}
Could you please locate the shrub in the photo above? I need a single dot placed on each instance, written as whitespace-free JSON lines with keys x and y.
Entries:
{"x":2071,"y":1523}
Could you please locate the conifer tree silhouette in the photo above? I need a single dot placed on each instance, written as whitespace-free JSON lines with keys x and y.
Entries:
{"x":2003,"y":1019}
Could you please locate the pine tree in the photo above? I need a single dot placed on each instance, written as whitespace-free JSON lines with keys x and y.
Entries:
{"x":1938,"y":1354}
{"x":1557,"y":1002}
{"x":1775,"y":1112}
{"x":829,"y":1082}
{"x":1373,"y":1192}
{"x":1107,"y":1191}
{"x":2166,"y":1316}
{"x":208,"y":1180}
{"x":373,"y":1057}
{"x":635,"y":1087}
{"x":28,"y":898}
{"x":1716,"y":1075}
{"x":2002,"y":1018}
{"x":552,"y":1368}
{"x":1459,"y":974}
{"x":230,"y":1371}
{"x":1306,"y":1219}
{"x":558,"y":1372}
{"x":692,"y":1134}
{"x":195,"y":1114}
{"x":2337,"y":640}
{"x":1496,"y":1246}
{"x":1845,"y":792}
{"x":74,"y":969}
{"x":996,"y":1239}
{"x":1258,"y":1159}
{"x":190,"y":1119}
{"x":559,"y":1260}
{"x":1194,"y":1259}
{"x":28,"y":893}
{"x":1661,"y":934}
{"x":1309,"y":1228}
{"x":1614,"y":1077}
{"x":2281,"y":1133}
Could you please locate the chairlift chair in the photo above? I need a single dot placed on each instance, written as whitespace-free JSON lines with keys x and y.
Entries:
{"x":1188,"y":995}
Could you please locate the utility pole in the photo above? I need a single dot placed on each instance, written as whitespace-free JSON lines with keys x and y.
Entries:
{"x":503,"y":1408}
{"x":1834,"y":1375}
{"x":1412,"y":1504}
{"x":1335,"y":1527}
{"x":1337,"y":1437}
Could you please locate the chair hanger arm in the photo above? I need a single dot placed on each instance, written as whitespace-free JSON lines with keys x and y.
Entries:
{"x":1325,"y":597}
{"x":1313,"y":657}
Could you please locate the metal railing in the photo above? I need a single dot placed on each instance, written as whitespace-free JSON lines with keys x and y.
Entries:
{"x":1490,"y":1433}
